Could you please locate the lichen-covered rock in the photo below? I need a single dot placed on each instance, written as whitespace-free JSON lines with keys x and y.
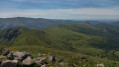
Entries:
{"x":6,"y":52}
{"x":44,"y":65}
{"x":52,"y":58}
{"x":20,"y":55}
{"x":39,"y":59}
{"x":28,"y":61}
{"x":9,"y":63}
{"x":10,"y":56}
{"x":2,"y":58}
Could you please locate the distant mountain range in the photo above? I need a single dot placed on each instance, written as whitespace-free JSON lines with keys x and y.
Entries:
{"x":36,"y":23}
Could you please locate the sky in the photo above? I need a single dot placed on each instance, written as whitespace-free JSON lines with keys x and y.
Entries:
{"x":61,"y":9}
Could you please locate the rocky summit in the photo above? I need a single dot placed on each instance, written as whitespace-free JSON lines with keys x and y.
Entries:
{"x":24,"y":59}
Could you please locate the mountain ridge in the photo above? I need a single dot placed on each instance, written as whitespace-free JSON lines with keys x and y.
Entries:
{"x":96,"y":41}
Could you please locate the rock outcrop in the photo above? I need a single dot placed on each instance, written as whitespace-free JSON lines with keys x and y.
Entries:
{"x":6,"y":52}
{"x":20,"y":55}
{"x":23,"y":59}
{"x":52,"y":58}
{"x":39,"y":60}
{"x":28,"y":61}
{"x":9,"y":63}
{"x":44,"y":65}
{"x":2,"y":58}
{"x":10,"y":56}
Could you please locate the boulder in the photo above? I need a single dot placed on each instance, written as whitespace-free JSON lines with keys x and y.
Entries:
{"x":100,"y":65}
{"x":10,"y":56}
{"x":52,"y":58}
{"x":44,"y":65}
{"x":9,"y":63}
{"x":2,"y":58}
{"x":20,"y":55}
{"x":6,"y":52}
{"x":39,"y":59}
{"x":28,"y":61}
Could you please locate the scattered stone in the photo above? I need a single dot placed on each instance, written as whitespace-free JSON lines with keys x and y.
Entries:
{"x":28,"y":61}
{"x":10,"y":56}
{"x":41,"y":54}
{"x":100,"y":65}
{"x":20,"y":55}
{"x":74,"y":65}
{"x":6,"y":52}
{"x":39,"y":59}
{"x":44,"y":65}
{"x":2,"y":58}
{"x":9,"y":63}
{"x":52,"y":58}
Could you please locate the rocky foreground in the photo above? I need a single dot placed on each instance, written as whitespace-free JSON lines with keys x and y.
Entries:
{"x":25,"y":59}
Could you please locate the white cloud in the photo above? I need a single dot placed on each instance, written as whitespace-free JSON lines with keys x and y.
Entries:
{"x":80,"y":13}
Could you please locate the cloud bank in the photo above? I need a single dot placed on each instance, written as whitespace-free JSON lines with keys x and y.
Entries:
{"x":60,"y":9}
{"x":80,"y":13}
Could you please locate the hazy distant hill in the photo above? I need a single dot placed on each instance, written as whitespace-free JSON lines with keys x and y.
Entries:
{"x":36,"y":23}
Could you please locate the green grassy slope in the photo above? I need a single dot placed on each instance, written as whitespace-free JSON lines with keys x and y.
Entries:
{"x":64,"y":40}
{"x":55,"y":37}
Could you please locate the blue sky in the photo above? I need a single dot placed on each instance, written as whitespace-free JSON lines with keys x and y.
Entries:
{"x":61,"y":9}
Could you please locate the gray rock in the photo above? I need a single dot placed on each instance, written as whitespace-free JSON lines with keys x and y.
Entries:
{"x":10,"y":56}
{"x":9,"y":63}
{"x":2,"y":58}
{"x":100,"y":65}
{"x":6,"y":52}
{"x":41,"y":54}
{"x":39,"y":59}
{"x":44,"y":65}
{"x":52,"y":58}
{"x":20,"y":55}
{"x":28,"y":61}
{"x":62,"y":64}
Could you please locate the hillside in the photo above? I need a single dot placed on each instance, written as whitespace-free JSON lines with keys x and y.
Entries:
{"x":54,"y":37}
{"x":86,"y":39}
